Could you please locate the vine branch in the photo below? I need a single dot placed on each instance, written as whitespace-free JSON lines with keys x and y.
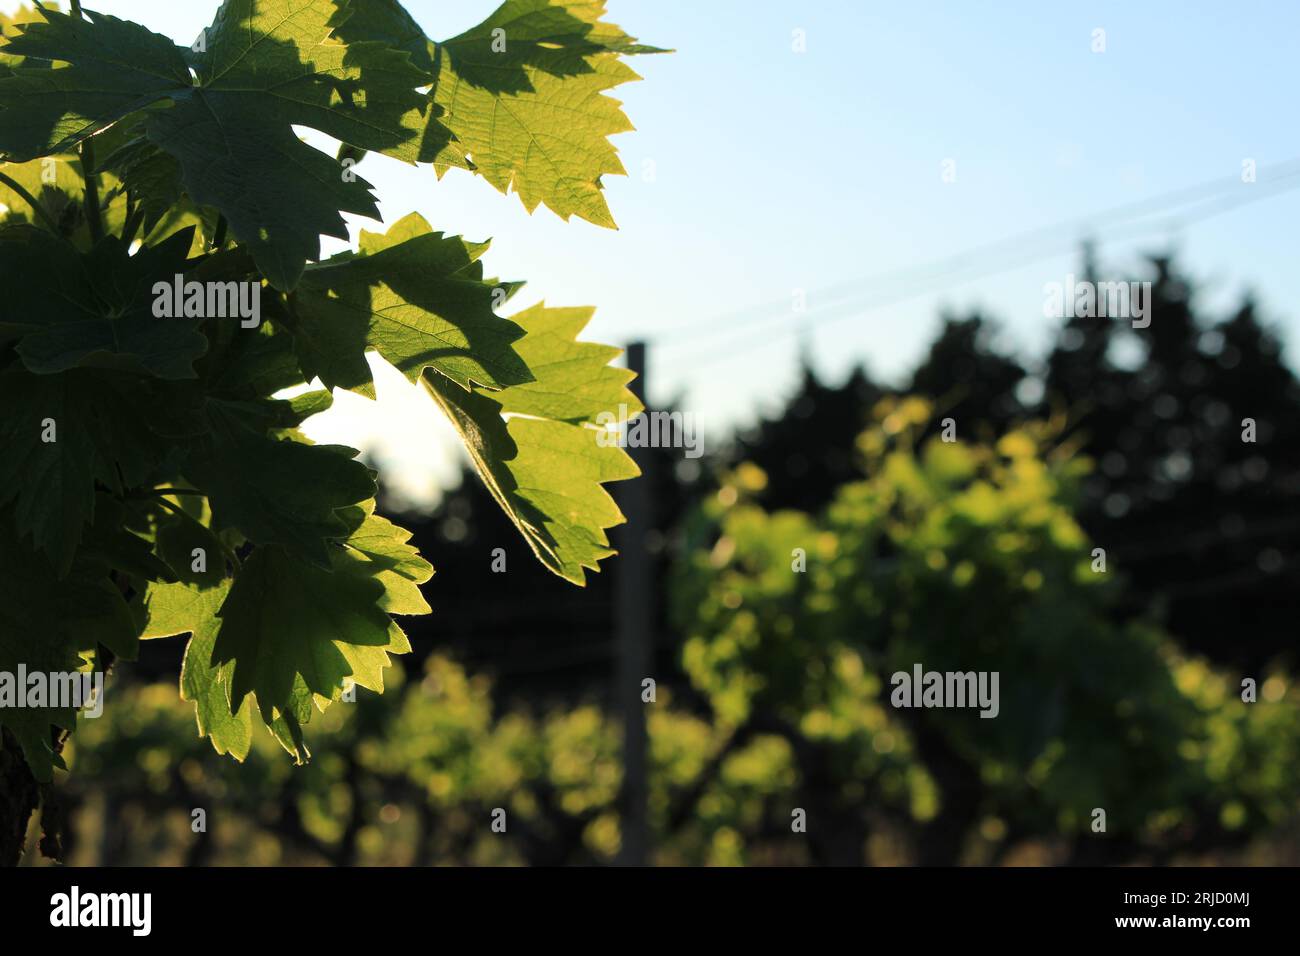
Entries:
{"x":28,"y":198}
{"x":93,"y":217}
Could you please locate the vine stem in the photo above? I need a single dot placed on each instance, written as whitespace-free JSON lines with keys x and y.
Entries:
{"x":93,"y":219}
{"x":91,"y":202}
{"x":28,"y":198}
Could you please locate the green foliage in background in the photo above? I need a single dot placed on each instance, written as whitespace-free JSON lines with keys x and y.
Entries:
{"x":155,"y":480}
{"x":965,"y":557}
{"x":411,"y":778}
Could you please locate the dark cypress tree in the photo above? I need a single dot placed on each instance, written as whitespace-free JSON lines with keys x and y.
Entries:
{"x":1193,"y":516}
{"x":969,"y":380}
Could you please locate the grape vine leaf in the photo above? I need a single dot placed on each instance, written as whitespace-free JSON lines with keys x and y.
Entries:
{"x":104,"y":317}
{"x":287,"y":621}
{"x":264,"y":495}
{"x":110,"y":68}
{"x":32,"y":725}
{"x":61,"y":434}
{"x":8,"y":28}
{"x":287,"y":634}
{"x":393,"y":560}
{"x":183,"y":533}
{"x":416,"y":297}
{"x":264,"y":67}
{"x":523,"y":95}
{"x":48,"y":468}
{"x":69,"y":616}
{"x":269,"y":66}
{"x":111,"y":540}
{"x":544,"y":463}
{"x":184,"y":608}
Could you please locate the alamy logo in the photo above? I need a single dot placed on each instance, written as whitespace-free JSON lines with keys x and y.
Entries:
{"x":955,"y":689}
{"x":209,"y":300}
{"x":57,"y":690}
{"x":74,"y":908}
{"x":1085,"y":299}
{"x":650,"y":430}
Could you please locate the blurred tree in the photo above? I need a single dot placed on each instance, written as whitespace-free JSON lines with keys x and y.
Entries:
{"x":969,"y":379}
{"x":1198,"y":519}
{"x":805,"y":449}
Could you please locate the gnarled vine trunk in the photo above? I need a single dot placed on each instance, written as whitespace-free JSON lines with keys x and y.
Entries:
{"x":20,"y":794}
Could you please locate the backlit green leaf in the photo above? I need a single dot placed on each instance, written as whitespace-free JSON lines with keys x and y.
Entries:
{"x":416,"y":297}
{"x":544,"y":464}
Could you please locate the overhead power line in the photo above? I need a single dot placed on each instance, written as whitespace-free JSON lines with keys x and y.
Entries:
{"x":875,"y":292}
{"x":854,"y":310}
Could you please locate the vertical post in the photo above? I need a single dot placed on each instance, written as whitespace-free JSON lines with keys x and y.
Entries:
{"x":634,"y":614}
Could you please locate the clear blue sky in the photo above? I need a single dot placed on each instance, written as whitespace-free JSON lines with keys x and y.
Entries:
{"x":776,"y":170}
